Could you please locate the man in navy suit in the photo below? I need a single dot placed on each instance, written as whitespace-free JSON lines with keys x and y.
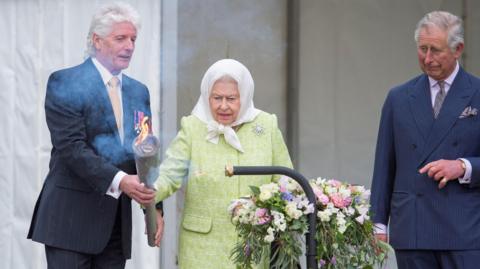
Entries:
{"x":426,"y":180}
{"x":83,"y":214}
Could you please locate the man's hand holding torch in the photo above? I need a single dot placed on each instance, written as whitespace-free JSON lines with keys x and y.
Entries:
{"x":145,"y":148}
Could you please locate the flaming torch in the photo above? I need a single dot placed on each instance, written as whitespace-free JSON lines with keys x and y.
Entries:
{"x":145,"y":147}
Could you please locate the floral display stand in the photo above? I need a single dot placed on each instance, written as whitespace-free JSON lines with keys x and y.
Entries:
{"x":311,"y":243}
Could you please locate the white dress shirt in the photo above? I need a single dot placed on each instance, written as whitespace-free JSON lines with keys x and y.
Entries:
{"x":114,"y":188}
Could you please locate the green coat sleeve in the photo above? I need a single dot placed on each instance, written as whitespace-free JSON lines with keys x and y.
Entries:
{"x":174,"y":168}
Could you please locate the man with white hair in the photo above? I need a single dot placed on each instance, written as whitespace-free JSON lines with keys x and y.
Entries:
{"x":426,"y":180}
{"x":83,"y":214}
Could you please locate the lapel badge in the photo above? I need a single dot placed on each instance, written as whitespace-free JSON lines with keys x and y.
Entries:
{"x":468,"y":112}
{"x":258,"y":129}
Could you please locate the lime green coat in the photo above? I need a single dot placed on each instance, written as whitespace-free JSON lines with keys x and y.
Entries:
{"x":207,"y":235}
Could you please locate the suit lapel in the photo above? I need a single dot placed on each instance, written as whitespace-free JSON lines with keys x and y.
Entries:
{"x":457,"y":99}
{"x":128,"y":124}
{"x":421,"y":106}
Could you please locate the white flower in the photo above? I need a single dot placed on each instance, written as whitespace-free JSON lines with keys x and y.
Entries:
{"x":293,"y":186}
{"x":303,"y":203}
{"x":309,"y":209}
{"x":242,"y":210}
{"x":232,"y":206}
{"x":349,"y":211}
{"x":365,"y":195}
{"x":267,"y":191}
{"x":331,"y":207}
{"x":341,"y":219}
{"x":320,"y":181}
{"x":341,"y":222}
{"x":279,"y":221}
{"x":362,"y":218}
{"x":344,"y":192}
{"x":363,"y":211}
{"x":330,"y":190}
{"x":324,"y":215}
{"x":292,"y":211}
{"x":360,"y":189}
{"x":270,"y":236}
{"x":265,"y":195}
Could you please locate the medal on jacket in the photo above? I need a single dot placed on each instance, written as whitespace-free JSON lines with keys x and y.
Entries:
{"x":137,"y":120}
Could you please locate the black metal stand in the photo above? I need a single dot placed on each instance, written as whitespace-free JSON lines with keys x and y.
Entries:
{"x":312,"y":217}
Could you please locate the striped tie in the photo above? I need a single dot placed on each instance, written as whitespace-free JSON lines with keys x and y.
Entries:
{"x":439,"y":99}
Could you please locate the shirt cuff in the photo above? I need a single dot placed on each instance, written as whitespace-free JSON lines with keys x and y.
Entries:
{"x":114,"y":188}
{"x":467,"y":176}
{"x":379,"y":228}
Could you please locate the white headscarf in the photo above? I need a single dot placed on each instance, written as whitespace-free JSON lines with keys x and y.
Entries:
{"x":247,"y":112}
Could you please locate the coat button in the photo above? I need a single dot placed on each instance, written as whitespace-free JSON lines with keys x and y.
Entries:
{"x":414,"y":146}
{"x":455,"y":144}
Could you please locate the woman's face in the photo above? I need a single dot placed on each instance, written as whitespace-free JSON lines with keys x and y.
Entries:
{"x":224,"y":102}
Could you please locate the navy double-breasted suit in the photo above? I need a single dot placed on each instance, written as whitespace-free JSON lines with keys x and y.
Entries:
{"x":73,"y":211}
{"x":421,"y":215}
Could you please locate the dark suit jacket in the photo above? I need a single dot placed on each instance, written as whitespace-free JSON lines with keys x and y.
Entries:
{"x":73,"y":211}
{"x":421,"y":215}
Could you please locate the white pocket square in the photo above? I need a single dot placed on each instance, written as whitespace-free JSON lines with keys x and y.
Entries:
{"x":468,"y":112}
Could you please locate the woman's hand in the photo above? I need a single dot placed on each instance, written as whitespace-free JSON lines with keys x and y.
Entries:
{"x":160,"y":224}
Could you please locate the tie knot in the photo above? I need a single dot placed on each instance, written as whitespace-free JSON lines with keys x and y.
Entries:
{"x":114,"y":81}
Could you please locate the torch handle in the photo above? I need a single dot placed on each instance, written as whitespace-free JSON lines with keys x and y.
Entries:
{"x":151,"y":223}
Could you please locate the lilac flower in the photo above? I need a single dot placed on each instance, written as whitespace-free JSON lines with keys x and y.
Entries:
{"x":347,"y":201}
{"x":246,"y":250}
{"x":333,"y":260}
{"x":287,"y":196}
{"x":321,"y":263}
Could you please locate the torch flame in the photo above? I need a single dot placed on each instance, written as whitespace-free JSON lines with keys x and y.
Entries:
{"x":144,"y":131}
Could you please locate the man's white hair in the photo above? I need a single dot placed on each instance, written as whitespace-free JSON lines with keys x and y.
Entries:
{"x":106,"y":17}
{"x":446,"y":22}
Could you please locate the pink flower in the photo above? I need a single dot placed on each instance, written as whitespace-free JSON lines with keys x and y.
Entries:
{"x":334,"y":183}
{"x":322,"y":198}
{"x":352,"y":188}
{"x":262,"y":215}
{"x":337,"y":200}
{"x":347,"y":201}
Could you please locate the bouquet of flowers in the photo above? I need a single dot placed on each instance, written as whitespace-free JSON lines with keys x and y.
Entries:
{"x":345,"y":232}
{"x":276,"y":213}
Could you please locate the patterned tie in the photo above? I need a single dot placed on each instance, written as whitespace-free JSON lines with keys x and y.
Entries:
{"x":439,"y":99}
{"x":115,"y":100}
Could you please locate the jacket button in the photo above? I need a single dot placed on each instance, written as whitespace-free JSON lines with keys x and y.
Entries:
{"x":414,"y":146}
{"x":419,"y":194}
{"x":455,"y":144}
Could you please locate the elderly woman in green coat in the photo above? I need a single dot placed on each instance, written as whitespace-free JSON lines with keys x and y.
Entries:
{"x":224,"y":129}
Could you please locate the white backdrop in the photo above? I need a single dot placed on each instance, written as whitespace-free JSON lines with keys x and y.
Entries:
{"x":41,"y":36}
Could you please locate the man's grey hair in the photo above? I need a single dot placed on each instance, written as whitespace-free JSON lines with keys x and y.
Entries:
{"x":106,"y":17}
{"x":446,"y":22}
